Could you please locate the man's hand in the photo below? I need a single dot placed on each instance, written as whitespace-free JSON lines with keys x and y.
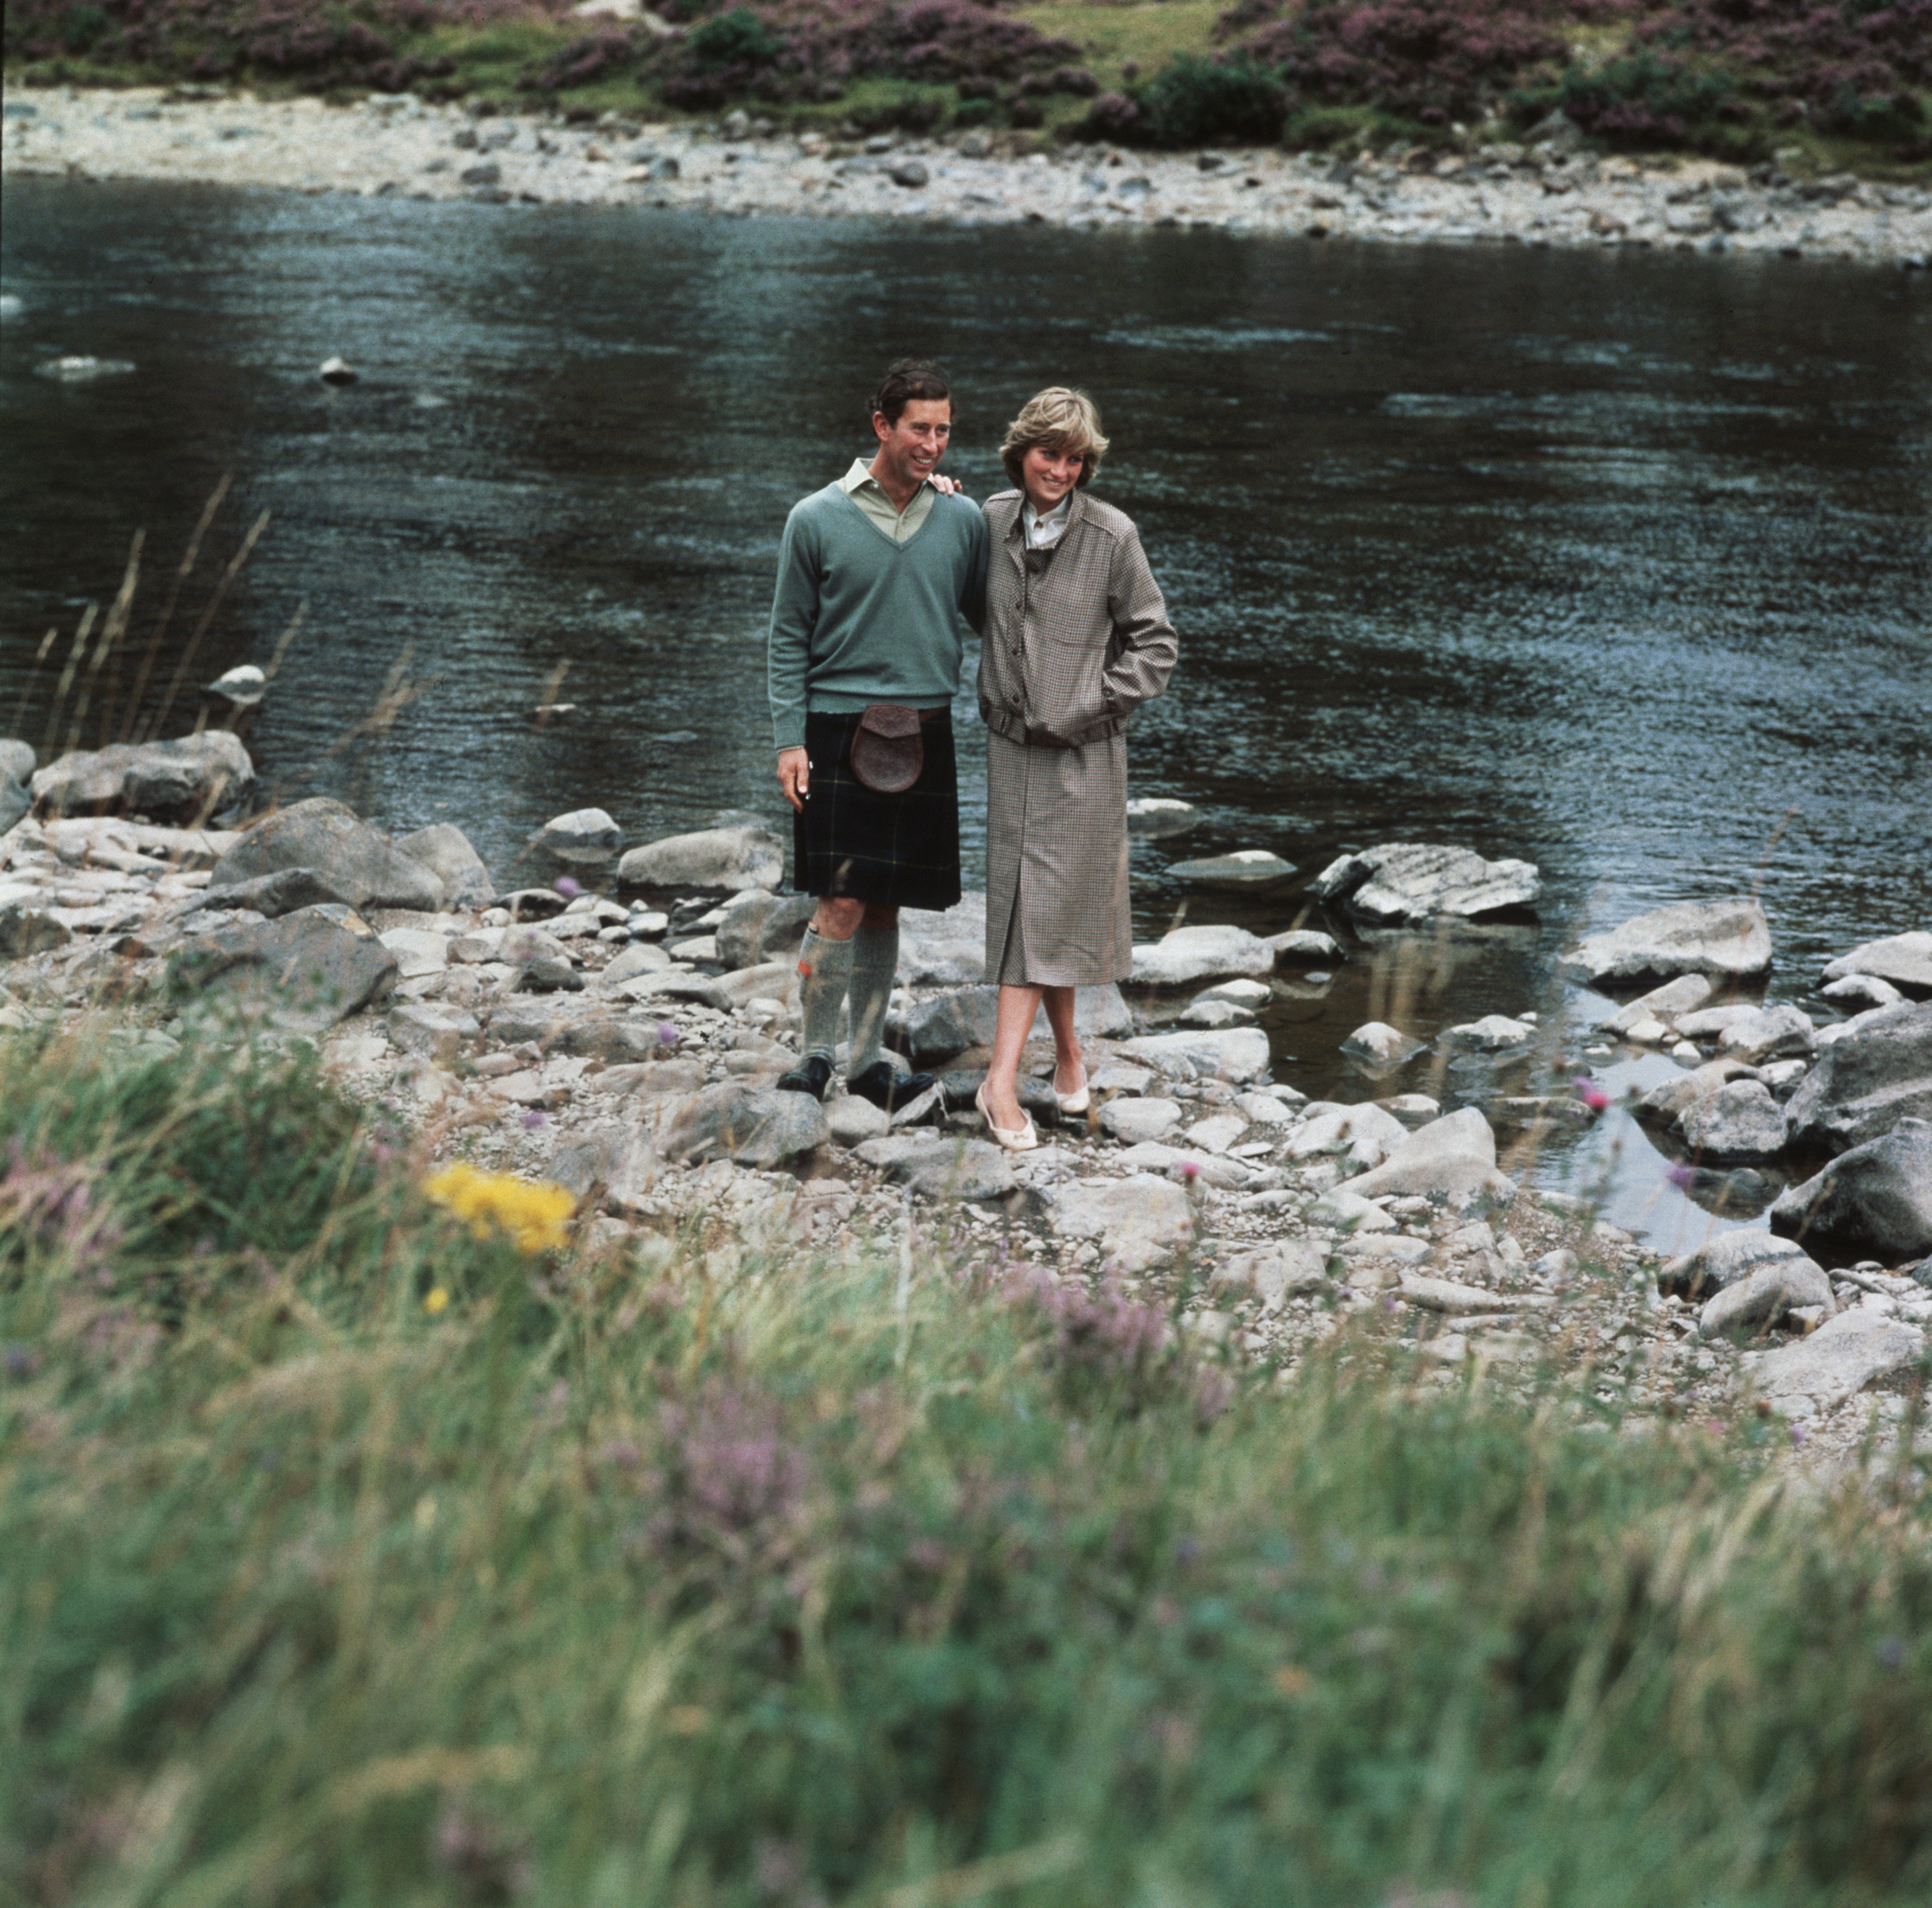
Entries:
{"x":795,"y":775}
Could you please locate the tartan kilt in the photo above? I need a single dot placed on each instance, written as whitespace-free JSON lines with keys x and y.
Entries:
{"x":898,"y":851}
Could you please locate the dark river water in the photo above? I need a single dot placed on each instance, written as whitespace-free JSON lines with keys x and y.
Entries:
{"x":1615,"y":561}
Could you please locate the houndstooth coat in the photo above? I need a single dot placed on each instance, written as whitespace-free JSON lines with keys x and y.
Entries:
{"x":1076,"y":638}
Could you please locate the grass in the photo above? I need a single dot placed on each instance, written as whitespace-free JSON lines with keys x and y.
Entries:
{"x":349,"y":1557}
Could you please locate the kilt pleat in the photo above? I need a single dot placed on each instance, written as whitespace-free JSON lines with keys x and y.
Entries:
{"x":897,"y":850}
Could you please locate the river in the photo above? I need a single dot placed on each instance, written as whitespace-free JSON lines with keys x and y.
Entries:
{"x":1617,"y":561}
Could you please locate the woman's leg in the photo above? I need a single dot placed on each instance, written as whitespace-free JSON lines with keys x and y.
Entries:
{"x":1018,"y":1007}
{"x":1069,"y":1068}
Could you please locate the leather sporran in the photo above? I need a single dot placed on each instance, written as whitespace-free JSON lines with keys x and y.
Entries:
{"x":888,"y":751}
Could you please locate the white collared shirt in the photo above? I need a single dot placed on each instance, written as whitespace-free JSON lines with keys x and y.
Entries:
{"x":1043,"y":532}
{"x":869,"y":494}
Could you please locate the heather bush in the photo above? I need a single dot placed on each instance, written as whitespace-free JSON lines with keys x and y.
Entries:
{"x":356,"y":1548}
{"x":1194,"y":101}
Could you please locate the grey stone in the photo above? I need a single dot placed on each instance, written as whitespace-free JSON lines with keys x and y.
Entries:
{"x":1302,"y":947}
{"x":359,"y":862}
{"x":1813,"y":1376}
{"x":1237,"y":1055}
{"x":1450,"y":1296}
{"x":1729,"y":939}
{"x":442,"y":1036}
{"x":1865,"y":1083}
{"x":1381,"y":1045}
{"x":1685,"y":994}
{"x":485,"y":172}
{"x":1670,"y":1100}
{"x":631,"y":962}
{"x":1400,"y":881}
{"x":303,"y":973}
{"x":1741,"y":1121}
{"x":1861,"y":990}
{"x":1761,"y":1034}
{"x":1723,"y":1261}
{"x":186,"y":780}
{"x":852,"y":1120}
{"x":1764,"y":1295}
{"x":948,"y":1169}
{"x":583,"y":835}
{"x":758,"y":927}
{"x":945,"y":949}
{"x":739,"y":853}
{"x":15,"y":802}
{"x":1131,"y":1121}
{"x":610,"y":1038}
{"x":1277,"y":1272}
{"x":1452,"y":1160}
{"x":26,"y":929}
{"x":1189,"y":955}
{"x":1216,"y":1133}
{"x":909,"y":173}
{"x":17,"y":759}
{"x":444,"y":851}
{"x":770,"y":980}
{"x":1876,"y":1199}
{"x":953,"y":1022}
{"x":1150,"y":817}
{"x":531,"y":903}
{"x":1247,"y":871}
{"x":1137,"y":1222}
{"x":418,"y":951}
{"x":1493,"y":1034}
{"x":1215,"y":1013}
{"x":1903,"y":961}
{"x":273,"y":895}
{"x":1365,"y":1135}
{"x":753,"y":1125}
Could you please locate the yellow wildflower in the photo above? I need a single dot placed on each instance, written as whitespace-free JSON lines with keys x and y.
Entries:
{"x":435,"y":1300}
{"x":532,"y":1216}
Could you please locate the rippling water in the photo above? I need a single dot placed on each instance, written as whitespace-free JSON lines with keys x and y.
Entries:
{"x":1617,"y":561}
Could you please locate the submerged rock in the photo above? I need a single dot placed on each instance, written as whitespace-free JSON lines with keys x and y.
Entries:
{"x":1381,"y":1045}
{"x":1247,"y":871}
{"x":1726,"y":938}
{"x":1152,"y":817}
{"x":1403,"y":881}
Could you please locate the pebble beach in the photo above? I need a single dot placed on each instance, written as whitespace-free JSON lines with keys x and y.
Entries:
{"x":1552,"y":193}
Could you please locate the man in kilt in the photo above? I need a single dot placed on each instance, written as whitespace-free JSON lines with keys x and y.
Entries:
{"x":879,"y":573}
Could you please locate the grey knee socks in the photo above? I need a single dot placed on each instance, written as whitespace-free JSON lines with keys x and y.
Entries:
{"x":825,"y":973}
{"x":875,"y":960}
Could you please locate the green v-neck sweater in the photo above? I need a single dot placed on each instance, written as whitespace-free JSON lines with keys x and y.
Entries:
{"x":857,"y":619}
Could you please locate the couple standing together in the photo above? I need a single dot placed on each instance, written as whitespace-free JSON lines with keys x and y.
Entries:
{"x":879,"y":575}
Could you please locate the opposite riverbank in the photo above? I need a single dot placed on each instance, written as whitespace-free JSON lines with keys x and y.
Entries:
{"x":1551,"y":194}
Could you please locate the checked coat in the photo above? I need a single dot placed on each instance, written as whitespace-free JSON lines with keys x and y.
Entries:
{"x":1076,"y":638}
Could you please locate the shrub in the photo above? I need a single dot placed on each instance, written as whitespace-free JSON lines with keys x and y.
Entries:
{"x":1646,"y":99}
{"x":1201,"y":102}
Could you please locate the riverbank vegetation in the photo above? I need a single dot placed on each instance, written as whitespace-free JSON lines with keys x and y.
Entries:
{"x":360,"y":1542}
{"x":1811,"y":83}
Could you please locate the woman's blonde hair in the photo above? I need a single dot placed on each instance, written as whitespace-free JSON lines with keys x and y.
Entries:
{"x":1062,"y":420}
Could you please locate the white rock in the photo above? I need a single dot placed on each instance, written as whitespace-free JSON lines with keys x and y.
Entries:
{"x":1903,"y":960}
{"x":1137,"y":1222}
{"x":1867,"y":990}
{"x":1189,"y":955}
{"x":1813,"y":1376}
{"x":1151,"y":816}
{"x":1764,"y":1294}
{"x":1350,"y":1210}
{"x":1275,"y":1272}
{"x":1380,"y":1044}
{"x":1452,"y":1158}
{"x":1685,"y":994}
{"x":418,"y":951}
{"x":1400,"y":881}
{"x":1367,"y":1134}
{"x":1215,"y":1013}
{"x":1493,"y":1034}
{"x":1237,"y":1055}
{"x":1217,"y":1132}
{"x":1730,"y":938}
{"x":1246,"y":871}
{"x":1131,"y":1121}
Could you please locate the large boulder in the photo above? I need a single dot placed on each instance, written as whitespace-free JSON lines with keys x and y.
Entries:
{"x":944,"y":949}
{"x":1875,"y":1199}
{"x":1452,"y":1160}
{"x":1738,"y":1122}
{"x":1237,"y":1055}
{"x":1728,"y":939}
{"x":938,"y":1168}
{"x":965,"y":1017}
{"x":1364,"y":1134}
{"x":302,"y":973}
{"x":445,"y":851}
{"x":1135,"y":1222}
{"x":1189,"y":955}
{"x":753,"y":1126}
{"x":1764,"y":1296}
{"x":738,"y":851}
{"x":1669,"y":1100}
{"x":1864,"y":1084}
{"x":1811,"y":1377}
{"x":759,"y":926}
{"x":186,"y":780}
{"x":1902,"y":960}
{"x":359,"y":862}
{"x":1724,"y":1261}
{"x":270,"y":895}
{"x":1401,"y":881}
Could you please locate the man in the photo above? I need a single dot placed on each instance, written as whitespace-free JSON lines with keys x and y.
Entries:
{"x":879,"y":575}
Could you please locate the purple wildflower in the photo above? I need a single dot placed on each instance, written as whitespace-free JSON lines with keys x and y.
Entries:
{"x":532,"y":1120}
{"x":667,"y":1033}
{"x":567,"y":885}
{"x":1592,"y":1095}
{"x":1682,"y":1177}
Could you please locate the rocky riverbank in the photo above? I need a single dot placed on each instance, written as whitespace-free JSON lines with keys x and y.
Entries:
{"x":1553,"y":192}
{"x":617,"y":1030}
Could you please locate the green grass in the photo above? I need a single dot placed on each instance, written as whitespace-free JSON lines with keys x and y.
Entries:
{"x":714,"y":1571}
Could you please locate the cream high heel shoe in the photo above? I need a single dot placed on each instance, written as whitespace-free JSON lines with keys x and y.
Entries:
{"x":1014,"y":1139}
{"x":1078,"y":1100}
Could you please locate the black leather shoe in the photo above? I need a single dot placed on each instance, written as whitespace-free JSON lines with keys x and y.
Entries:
{"x":887,"y":1089}
{"x":812,"y":1076}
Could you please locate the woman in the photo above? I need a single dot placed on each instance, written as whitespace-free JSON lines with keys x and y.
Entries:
{"x":1076,"y":638}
